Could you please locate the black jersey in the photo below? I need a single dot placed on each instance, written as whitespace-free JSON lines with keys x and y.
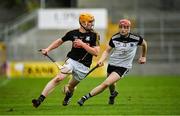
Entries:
{"x":80,"y":54}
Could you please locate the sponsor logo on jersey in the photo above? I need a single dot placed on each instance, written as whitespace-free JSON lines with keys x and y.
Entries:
{"x":131,"y":44}
{"x":75,"y":37}
{"x":87,"y":38}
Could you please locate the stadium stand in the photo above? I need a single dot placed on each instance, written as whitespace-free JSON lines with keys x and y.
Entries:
{"x":152,"y":19}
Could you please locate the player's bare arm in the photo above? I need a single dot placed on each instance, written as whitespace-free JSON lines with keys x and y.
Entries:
{"x":52,"y":46}
{"x":142,"y":58}
{"x":92,"y":50}
{"x":104,"y":55}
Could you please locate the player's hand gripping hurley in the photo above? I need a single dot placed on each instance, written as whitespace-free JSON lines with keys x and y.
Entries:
{"x":61,"y":67}
{"x":55,"y":62}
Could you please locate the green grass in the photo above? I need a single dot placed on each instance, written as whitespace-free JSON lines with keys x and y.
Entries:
{"x":138,"y":95}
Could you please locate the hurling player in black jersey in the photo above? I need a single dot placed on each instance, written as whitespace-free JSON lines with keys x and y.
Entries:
{"x":85,"y":45}
{"x":122,"y":49}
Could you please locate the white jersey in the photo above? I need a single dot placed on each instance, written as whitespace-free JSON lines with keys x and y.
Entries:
{"x":124,"y":49}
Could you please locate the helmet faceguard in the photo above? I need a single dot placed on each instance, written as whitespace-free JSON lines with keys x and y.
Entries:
{"x":85,"y":19}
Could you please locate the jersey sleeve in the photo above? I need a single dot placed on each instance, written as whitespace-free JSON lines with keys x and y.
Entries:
{"x":111,"y":43}
{"x":140,"y":40}
{"x":67,"y":36}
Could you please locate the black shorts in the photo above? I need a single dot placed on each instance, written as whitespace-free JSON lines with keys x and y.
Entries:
{"x":119,"y":70}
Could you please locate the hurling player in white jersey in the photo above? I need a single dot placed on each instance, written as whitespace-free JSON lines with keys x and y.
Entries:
{"x":124,"y":45}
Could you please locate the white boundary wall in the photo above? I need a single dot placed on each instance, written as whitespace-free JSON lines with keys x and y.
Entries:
{"x":69,"y":18}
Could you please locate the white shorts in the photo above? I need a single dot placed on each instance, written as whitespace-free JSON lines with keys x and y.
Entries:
{"x":79,"y":70}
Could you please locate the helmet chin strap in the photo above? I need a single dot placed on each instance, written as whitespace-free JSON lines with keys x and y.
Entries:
{"x":84,"y":27}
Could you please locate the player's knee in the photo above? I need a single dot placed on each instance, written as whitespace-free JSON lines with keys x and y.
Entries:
{"x":58,"y":79}
{"x":105,"y":84}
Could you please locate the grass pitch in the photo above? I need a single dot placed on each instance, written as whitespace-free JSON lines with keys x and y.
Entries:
{"x":138,"y":95}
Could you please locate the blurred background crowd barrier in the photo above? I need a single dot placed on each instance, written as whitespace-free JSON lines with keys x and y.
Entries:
{"x":157,"y":21}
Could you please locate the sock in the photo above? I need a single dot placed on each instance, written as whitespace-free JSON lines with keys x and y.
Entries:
{"x":112,"y":92}
{"x":41,"y":98}
{"x":87,"y":96}
{"x":69,"y":94}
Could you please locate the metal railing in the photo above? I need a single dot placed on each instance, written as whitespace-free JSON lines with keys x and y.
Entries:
{"x":19,"y":26}
{"x":160,"y":32}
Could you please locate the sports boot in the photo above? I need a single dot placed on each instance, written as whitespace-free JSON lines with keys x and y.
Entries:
{"x":112,"y":97}
{"x":81,"y":101}
{"x":36,"y":103}
{"x":67,"y":99}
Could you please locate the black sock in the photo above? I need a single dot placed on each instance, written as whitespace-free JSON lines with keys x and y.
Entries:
{"x":69,"y":94}
{"x":112,"y":89}
{"x":41,"y":98}
{"x":112,"y":92}
{"x":87,"y":96}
